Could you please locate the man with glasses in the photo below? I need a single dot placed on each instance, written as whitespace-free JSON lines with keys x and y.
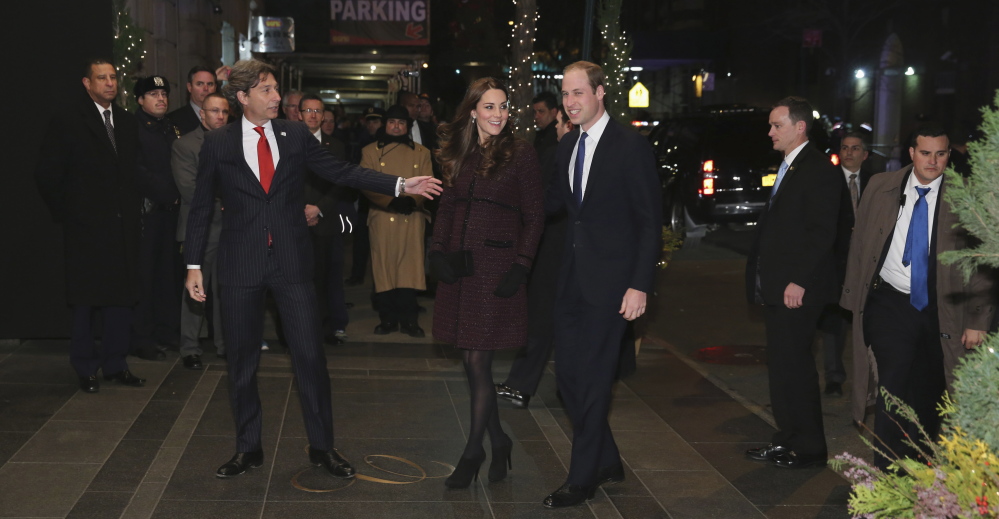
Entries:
{"x":214,"y":114}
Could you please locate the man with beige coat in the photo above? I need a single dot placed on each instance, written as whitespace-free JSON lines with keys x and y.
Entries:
{"x":396,"y":226}
{"x":916,"y":315}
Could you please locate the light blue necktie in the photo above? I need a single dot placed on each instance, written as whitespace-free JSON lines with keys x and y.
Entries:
{"x":577,"y":174}
{"x":917,"y":252}
{"x":780,"y":176}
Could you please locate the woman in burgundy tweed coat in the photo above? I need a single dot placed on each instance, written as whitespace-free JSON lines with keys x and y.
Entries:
{"x":491,"y":206}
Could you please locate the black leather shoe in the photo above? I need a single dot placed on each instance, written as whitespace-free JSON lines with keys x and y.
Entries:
{"x":193,"y":362}
{"x":569,"y":495}
{"x":386,"y":328}
{"x":333,"y":462}
{"x":610,"y":475}
{"x":834,"y":389}
{"x":413,"y":330}
{"x":89,"y":384}
{"x":516,"y":397}
{"x":766,"y":453}
{"x":791,"y":460}
{"x":239,"y":463}
{"x":127,"y":378}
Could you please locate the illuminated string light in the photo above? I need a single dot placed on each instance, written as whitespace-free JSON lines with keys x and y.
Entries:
{"x":521,"y":83}
{"x":616,"y":63}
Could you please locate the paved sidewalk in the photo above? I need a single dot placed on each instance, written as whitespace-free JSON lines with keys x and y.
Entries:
{"x":401,"y":413}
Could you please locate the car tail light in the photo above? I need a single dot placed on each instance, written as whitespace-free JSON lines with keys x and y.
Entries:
{"x":708,"y":166}
{"x":707,"y":186}
{"x":834,"y":158}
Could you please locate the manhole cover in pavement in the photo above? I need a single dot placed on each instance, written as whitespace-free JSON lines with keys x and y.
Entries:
{"x":732,"y":355}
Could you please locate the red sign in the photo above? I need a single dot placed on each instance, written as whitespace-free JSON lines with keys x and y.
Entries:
{"x":380,"y":22}
{"x":811,"y":38}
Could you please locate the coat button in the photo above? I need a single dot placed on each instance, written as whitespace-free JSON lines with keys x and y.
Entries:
{"x":383,"y":163}
{"x":391,"y":218}
{"x":415,"y":166}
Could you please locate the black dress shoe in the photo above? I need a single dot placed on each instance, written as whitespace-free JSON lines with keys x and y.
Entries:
{"x":193,"y":362}
{"x":610,"y":475}
{"x":834,"y":389}
{"x":569,"y":495}
{"x":239,"y":463}
{"x":412,"y":330}
{"x":89,"y":384}
{"x":127,"y":378}
{"x":386,"y":328}
{"x":333,"y":462}
{"x":766,"y":453}
{"x":791,"y":460}
{"x":516,"y":397}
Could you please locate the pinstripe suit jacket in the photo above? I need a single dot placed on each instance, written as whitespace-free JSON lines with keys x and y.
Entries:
{"x":250,"y":214}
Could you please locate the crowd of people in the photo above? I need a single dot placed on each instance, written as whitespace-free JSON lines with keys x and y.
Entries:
{"x":244,"y":195}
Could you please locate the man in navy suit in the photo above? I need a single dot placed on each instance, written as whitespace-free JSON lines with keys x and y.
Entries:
{"x":257,"y":166}
{"x":606,"y":182}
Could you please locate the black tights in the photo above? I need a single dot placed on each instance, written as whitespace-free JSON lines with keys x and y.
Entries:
{"x":485,"y":414}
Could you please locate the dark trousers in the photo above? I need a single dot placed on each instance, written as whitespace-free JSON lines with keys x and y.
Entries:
{"x":529,"y":365}
{"x":833,"y":325}
{"x":157,"y":316}
{"x":193,"y":313}
{"x":397,"y":306}
{"x":794,"y":381}
{"x":242,"y":324}
{"x":329,"y":256}
{"x":587,"y":349}
{"x":906,"y":345}
{"x":84,"y":354}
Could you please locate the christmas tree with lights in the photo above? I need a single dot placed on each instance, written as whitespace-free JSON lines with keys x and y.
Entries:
{"x":521,"y":45}
{"x":128,"y":53}
{"x":617,"y":56}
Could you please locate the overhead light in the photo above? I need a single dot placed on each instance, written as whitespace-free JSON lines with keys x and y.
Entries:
{"x":425,"y":64}
{"x":815,"y":114}
{"x":373,"y":67}
{"x":859,"y":74}
{"x":637,"y":69}
{"x":510,"y":22}
{"x":909,"y":71}
{"x":362,"y":77}
{"x":457,"y":71}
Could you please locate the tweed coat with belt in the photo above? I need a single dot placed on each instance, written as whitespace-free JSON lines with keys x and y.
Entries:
{"x":499,"y":219}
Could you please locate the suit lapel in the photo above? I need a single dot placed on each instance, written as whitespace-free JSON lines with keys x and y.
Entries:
{"x":235,"y":138}
{"x":791,"y":171}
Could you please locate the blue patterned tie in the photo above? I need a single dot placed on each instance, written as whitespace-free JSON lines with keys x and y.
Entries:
{"x":577,"y":174}
{"x":917,"y":252}
{"x":780,"y":176}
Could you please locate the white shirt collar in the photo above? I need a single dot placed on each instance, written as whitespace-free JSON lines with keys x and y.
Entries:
{"x":249,"y":127}
{"x":101,"y":109}
{"x":794,"y":153}
{"x":319,"y":135}
{"x":598,"y":127}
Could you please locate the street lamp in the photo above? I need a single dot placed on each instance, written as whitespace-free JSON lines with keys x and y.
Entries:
{"x":859,"y":74}
{"x":909,"y":71}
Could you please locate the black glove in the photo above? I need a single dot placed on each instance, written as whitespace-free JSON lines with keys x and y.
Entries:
{"x":441,"y":269}
{"x":512,"y":280}
{"x":403,"y":205}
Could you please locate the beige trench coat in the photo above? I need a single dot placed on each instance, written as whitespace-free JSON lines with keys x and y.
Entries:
{"x":960,"y":306}
{"x":397,"y":245}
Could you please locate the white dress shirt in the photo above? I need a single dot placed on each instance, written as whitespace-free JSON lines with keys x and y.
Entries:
{"x":250,"y":140}
{"x":847,"y":173}
{"x":319,"y":135}
{"x":893,"y":271}
{"x":592,"y":139}
{"x":197,"y":111}
{"x":789,"y":158}
{"x":417,"y":136}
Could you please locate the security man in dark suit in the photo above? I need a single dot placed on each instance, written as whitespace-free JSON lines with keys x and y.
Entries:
{"x":606,"y":182}
{"x":86,"y":175}
{"x":201,"y":81}
{"x":157,"y":316}
{"x":257,"y":166}
{"x":791,"y":271}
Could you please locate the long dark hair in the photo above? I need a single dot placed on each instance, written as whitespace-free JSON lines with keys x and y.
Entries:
{"x":460,"y":138}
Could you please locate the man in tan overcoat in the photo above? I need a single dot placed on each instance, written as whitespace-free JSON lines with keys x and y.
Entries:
{"x":396,"y":226}
{"x":914,"y":314}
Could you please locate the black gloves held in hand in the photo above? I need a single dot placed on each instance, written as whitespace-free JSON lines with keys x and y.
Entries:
{"x":441,"y":269}
{"x":403,"y":205}
{"x":511,"y":281}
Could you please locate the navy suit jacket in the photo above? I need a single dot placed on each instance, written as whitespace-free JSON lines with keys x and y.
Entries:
{"x":250,"y":214}
{"x":613,"y":238}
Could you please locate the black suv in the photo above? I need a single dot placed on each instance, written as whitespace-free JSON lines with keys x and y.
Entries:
{"x":716,"y":166}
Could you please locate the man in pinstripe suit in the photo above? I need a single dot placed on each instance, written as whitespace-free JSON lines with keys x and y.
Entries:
{"x":257,"y":166}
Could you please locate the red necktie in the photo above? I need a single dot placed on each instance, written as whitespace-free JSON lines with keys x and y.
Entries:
{"x":264,"y":159}
{"x":266,"y":164}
